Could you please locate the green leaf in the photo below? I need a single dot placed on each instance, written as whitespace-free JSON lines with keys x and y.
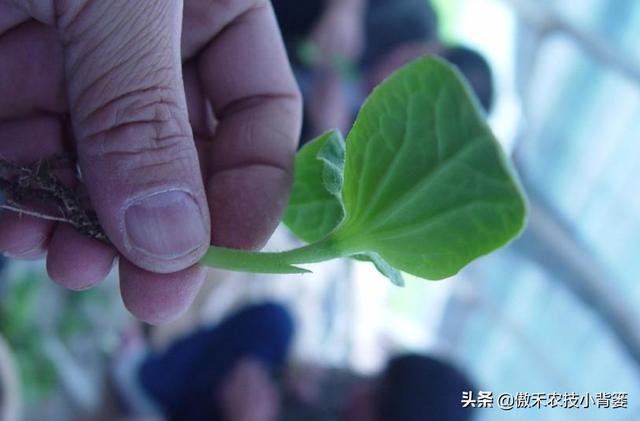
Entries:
{"x":423,"y":187}
{"x":395,"y":276}
{"x":325,"y":155}
{"x":332,"y":155}
{"x":315,"y":208}
{"x":426,"y":185}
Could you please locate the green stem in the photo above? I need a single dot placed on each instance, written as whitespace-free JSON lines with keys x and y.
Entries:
{"x":283,"y":262}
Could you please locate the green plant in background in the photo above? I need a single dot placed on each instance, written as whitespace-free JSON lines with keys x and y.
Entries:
{"x":311,"y":56}
{"x":26,"y":328}
{"x":420,"y":186}
{"x":19,"y":325}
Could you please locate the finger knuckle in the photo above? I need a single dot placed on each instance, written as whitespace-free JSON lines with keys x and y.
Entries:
{"x":140,"y":130}
{"x":152,"y":110}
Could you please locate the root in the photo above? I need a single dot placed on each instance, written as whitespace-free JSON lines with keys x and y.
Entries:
{"x":39,"y":183}
{"x":34,"y":214}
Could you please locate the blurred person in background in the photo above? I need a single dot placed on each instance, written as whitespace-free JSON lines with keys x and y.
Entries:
{"x":238,"y":371}
{"x":341,"y":49}
{"x":221,"y":372}
{"x":411,"y":387}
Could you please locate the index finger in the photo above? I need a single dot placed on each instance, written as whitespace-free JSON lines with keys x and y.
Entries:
{"x":247,"y":78}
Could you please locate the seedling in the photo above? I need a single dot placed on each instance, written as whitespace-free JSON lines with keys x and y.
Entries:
{"x":420,"y":186}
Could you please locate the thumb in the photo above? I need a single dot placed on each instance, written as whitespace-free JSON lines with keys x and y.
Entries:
{"x":135,"y":145}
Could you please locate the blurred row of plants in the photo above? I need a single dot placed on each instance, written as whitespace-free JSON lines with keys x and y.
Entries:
{"x":33,"y":312}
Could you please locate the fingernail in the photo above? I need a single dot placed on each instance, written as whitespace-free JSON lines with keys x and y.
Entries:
{"x":166,"y":225}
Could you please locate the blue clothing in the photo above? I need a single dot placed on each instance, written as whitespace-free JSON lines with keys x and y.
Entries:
{"x":3,"y":264}
{"x":184,"y":380}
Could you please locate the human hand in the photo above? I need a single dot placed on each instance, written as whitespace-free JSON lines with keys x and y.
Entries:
{"x":248,"y":394}
{"x":339,"y":34}
{"x":178,"y":110}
